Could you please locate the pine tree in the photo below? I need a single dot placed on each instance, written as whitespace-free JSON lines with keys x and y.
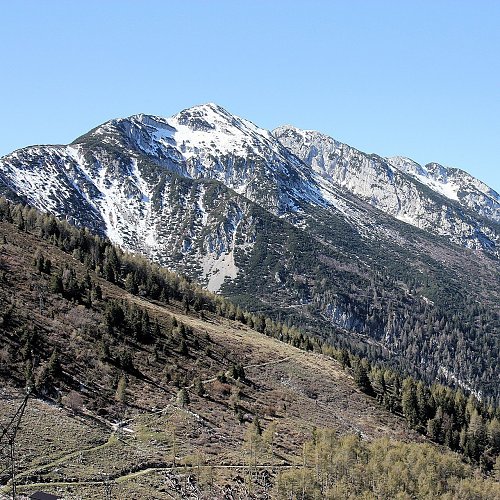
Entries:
{"x":423,"y":403}
{"x":256,"y":425}
{"x":130,"y":283}
{"x":237,"y":371}
{"x":253,"y":440}
{"x":496,"y":469}
{"x":54,"y":369}
{"x":199,"y":388}
{"x":493,"y":431}
{"x":125,"y":360}
{"x":183,"y":348}
{"x":361,"y":378}
{"x":157,"y":330}
{"x":268,"y":436}
{"x":56,"y":284}
{"x":409,"y":402}
{"x":344,"y":358}
{"x":476,"y":436}
{"x":111,"y":265}
{"x":434,"y":426}
{"x":145,"y":333}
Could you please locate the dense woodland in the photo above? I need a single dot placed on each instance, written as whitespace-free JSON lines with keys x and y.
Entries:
{"x":447,"y":416}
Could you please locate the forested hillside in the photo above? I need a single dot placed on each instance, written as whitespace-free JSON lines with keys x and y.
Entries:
{"x":210,"y":396}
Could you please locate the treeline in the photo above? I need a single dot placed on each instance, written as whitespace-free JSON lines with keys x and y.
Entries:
{"x":425,"y":318}
{"x":136,"y":274}
{"x":349,"y":467}
{"x":445,"y":415}
{"x":429,"y":315}
{"x":133,"y":273}
{"x":426,"y":324}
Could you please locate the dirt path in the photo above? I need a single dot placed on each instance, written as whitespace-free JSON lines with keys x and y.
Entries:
{"x":39,"y":469}
{"x":76,"y":453}
{"x":246,"y":367}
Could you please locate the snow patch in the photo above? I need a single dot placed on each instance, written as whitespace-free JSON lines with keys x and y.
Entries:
{"x":201,"y":206}
{"x":218,"y":269}
{"x":448,"y":375}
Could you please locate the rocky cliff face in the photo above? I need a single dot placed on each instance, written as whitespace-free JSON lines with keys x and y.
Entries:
{"x":443,"y":201}
{"x":176,"y":190}
{"x":117,"y":178}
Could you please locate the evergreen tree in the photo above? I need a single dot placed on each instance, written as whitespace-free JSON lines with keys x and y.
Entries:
{"x":183,"y":398}
{"x":256,"y":425}
{"x":121,"y":390}
{"x":409,"y":402}
{"x":183,"y":348}
{"x":493,"y":432}
{"x":424,"y":409}
{"x":361,"y":378}
{"x":199,"y":388}
{"x":237,"y":371}
{"x":496,"y":469}
{"x":268,"y":436}
{"x":125,"y":360}
{"x":54,"y":369}
{"x":434,"y":426}
{"x":476,"y":436}
{"x":130,"y":283}
{"x":344,"y":358}
{"x":56,"y":284}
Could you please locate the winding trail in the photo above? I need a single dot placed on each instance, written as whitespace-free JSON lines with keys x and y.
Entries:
{"x":115,"y":426}
{"x":197,"y":323}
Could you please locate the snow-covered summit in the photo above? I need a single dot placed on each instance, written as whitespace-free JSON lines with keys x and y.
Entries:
{"x":443,"y":201}
{"x":200,"y":130}
{"x":433,"y":175}
{"x":210,"y":129}
{"x":208,"y":142}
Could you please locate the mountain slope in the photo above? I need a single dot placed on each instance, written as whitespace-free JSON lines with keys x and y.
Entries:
{"x":109,"y":368}
{"x":293,"y":225}
{"x":455,"y":184}
{"x":282,"y":383}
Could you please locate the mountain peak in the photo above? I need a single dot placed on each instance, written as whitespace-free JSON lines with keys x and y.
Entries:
{"x":204,"y":116}
{"x":211,"y":124}
{"x":207,"y":107}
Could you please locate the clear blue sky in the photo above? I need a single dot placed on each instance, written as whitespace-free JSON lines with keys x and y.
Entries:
{"x":415,"y":78}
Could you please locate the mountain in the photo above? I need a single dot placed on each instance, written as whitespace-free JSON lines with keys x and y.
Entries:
{"x":396,"y":261}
